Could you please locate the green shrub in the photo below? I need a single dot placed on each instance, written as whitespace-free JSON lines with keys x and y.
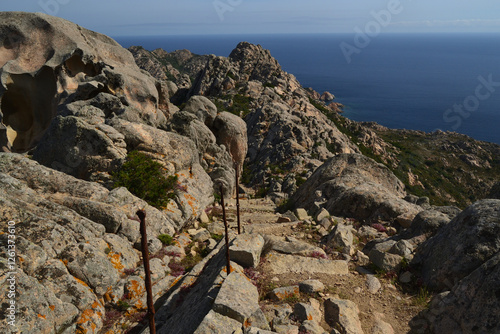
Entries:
{"x":166,"y":239}
{"x":145,"y":178}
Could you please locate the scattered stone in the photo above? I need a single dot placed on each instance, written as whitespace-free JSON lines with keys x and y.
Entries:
{"x":304,"y":312}
{"x":363,"y":260}
{"x":282,"y":264}
{"x":301,"y":214}
{"x":311,"y":286}
{"x":358,"y":289}
{"x":283,"y":220}
{"x":322,"y":215}
{"x":373,"y":284}
{"x":204,"y":218}
{"x":202,"y":235}
{"x":255,"y":330}
{"x":342,"y":238}
{"x":385,"y":261}
{"x":286,"y":329}
{"x":402,"y":248}
{"x":245,"y":249}
{"x":380,"y":326}
{"x":211,"y":244}
{"x":311,"y":327}
{"x":293,"y":246}
{"x":406,"y":277}
{"x":280,"y":294}
{"x":217,"y":323}
{"x":344,"y":313}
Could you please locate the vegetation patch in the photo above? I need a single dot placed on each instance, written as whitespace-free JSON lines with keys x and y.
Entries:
{"x":146,"y":179}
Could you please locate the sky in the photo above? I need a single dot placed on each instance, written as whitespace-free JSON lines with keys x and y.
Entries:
{"x":199,"y":17}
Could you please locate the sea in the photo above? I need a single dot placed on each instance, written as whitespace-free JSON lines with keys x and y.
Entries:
{"x":428,"y":82}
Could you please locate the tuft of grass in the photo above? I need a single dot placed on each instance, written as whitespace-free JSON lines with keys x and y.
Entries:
{"x":145,"y":178}
{"x":166,"y":239}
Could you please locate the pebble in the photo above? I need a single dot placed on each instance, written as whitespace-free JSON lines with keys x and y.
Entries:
{"x":357,"y":290}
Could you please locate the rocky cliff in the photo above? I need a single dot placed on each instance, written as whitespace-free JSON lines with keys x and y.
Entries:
{"x":74,"y":105}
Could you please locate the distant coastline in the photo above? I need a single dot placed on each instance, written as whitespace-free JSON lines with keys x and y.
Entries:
{"x":412,"y":81}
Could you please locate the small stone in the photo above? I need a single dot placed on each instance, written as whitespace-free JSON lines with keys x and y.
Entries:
{"x":303,"y":312}
{"x":204,"y":218}
{"x":322,"y":214}
{"x":283,"y":220}
{"x":301,"y":214}
{"x":406,"y":277}
{"x":280,"y":294}
{"x":357,"y":289}
{"x":202,"y":235}
{"x":373,"y":284}
{"x":311,"y":286}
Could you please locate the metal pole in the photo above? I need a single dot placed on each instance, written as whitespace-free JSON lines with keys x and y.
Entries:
{"x":238,"y":198}
{"x":145,"y":258}
{"x":228,"y":264}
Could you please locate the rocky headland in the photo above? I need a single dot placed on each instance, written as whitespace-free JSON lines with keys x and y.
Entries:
{"x":347,"y":227}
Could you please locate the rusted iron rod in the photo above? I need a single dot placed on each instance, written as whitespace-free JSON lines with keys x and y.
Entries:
{"x":228,"y":264}
{"x":238,"y":198}
{"x":145,"y":258}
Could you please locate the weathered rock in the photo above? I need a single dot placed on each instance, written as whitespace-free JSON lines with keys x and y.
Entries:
{"x":311,"y":286}
{"x":301,"y":214}
{"x":215,"y":323}
{"x":304,"y":312}
{"x":322,"y":214}
{"x":202,"y":108}
{"x":373,"y":284}
{"x":280,"y":294}
{"x":428,"y":222}
{"x":245,"y":249}
{"x":66,"y":62}
{"x":255,"y":330}
{"x":231,"y":131}
{"x":327,"y":96}
{"x":380,"y":326}
{"x":356,"y":186}
{"x":471,"y":306}
{"x":237,"y":299}
{"x":286,"y":329}
{"x":281,"y":264}
{"x":293,"y":246}
{"x":461,"y":246}
{"x":312,"y":327}
{"x":385,"y":261}
{"x":341,"y":238}
{"x":344,"y":313}
{"x":402,"y":248}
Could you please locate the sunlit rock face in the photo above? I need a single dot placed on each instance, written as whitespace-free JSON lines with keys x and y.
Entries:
{"x":46,"y":62}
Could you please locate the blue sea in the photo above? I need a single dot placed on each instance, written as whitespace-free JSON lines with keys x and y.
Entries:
{"x":411,"y":81}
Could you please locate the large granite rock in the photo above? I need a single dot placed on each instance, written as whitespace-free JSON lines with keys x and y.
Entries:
{"x":462,"y":246}
{"x":74,"y":243}
{"x":472,"y":305}
{"x":353,"y":185}
{"x":66,"y":63}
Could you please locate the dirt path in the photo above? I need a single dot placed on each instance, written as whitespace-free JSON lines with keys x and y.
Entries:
{"x":389,"y":303}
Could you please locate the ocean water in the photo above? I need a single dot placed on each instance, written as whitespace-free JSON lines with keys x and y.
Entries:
{"x":412,"y":81}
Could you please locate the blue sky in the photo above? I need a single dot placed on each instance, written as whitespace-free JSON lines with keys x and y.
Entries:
{"x":168,"y":17}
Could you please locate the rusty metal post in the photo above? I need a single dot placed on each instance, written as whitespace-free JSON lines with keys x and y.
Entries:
{"x":238,"y":198}
{"x":228,"y":264}
{"x":145,"y":258}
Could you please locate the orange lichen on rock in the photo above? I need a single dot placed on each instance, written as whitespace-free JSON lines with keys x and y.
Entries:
{"x":52,"y":307}
{"x":81,"y":282}
{"x":42,"y":316}
{"x":115,"y":260}
{"x":135,"y":289}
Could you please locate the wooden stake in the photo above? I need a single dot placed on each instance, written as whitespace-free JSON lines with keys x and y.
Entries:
{"x":228,"y":264}
{"x":145,"y":258}
{"x":238,"y":198}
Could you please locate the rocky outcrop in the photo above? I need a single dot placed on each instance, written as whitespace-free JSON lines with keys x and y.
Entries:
{"x":353,"y":185}
{"x":472,"y":305}
{"x":463,"y":260}
{"x":74,"y":241}
{"x":66,"y":63}
{"x":461,"y":246}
